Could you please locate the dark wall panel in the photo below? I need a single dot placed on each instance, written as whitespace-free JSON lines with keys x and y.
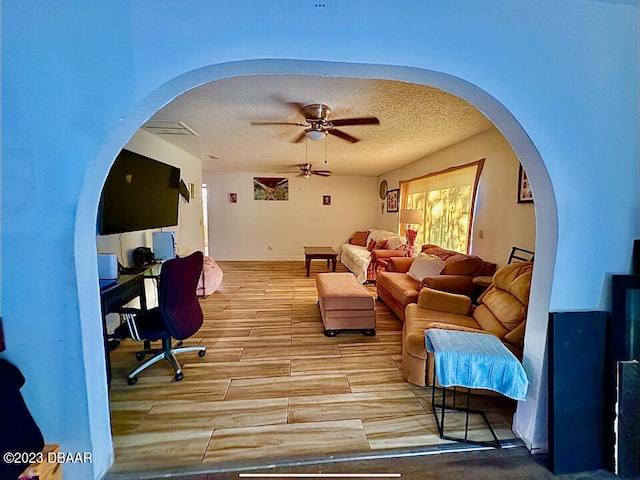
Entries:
{"x":577,"y":343}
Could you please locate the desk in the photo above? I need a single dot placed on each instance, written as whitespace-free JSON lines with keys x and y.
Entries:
{"x":117,"y":294}
{"x":473,"y":360}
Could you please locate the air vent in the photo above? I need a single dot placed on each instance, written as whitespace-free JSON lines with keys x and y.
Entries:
{"x":162,"y":127}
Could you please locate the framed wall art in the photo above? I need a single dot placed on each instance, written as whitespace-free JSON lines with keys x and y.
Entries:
{"x":326,"y":200}
{"x":392,"y":201}
{"x":233,"y":198}
{"x":524,"y":188}
{"x":270,"y":188}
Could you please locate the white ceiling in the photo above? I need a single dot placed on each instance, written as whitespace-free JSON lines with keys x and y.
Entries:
{"x":415,"y":121}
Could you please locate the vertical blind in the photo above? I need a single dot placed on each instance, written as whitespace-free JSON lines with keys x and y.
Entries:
{"x":446,"y":200}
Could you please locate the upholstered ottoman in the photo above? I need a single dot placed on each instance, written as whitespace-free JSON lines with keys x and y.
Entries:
{"x":345,"y":304}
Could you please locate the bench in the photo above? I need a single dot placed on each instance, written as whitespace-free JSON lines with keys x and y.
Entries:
{"x":345,"y":304}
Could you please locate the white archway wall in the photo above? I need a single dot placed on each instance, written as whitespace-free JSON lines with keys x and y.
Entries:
{"x":73,"y":78}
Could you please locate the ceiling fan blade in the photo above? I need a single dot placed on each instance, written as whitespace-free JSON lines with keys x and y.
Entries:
{"x":343,"y":135}
{"x":341,"y":122}
{"x":321,"y":173}
{"x":280,"y":123}
{"x":300,"y":137}
{"x":297,"y":106}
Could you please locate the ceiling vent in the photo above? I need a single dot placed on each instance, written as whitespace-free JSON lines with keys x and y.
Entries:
{"x":168,"y":127}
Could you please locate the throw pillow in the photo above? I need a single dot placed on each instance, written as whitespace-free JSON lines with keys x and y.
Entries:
{"x":371,"y":245}
{"x":381,"y":244}
{"x":425,"y":265}
{"x":360,"y":238}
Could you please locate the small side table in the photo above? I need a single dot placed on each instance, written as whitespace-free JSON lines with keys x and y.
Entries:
{"x":322,"y":253}
{"x":472,"y":360}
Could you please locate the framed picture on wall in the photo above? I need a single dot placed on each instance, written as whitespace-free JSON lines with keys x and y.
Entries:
{"x":326,"y":199}
{"x":233,"y":198}
{"x":270,"y":188}
{"x":524,"y":188}
{"x":392,"y":201}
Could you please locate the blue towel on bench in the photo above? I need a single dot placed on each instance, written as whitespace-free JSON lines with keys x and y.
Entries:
{"x":476,"y":360}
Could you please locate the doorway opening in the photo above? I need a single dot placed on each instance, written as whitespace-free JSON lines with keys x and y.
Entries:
{"x":526,"y":152}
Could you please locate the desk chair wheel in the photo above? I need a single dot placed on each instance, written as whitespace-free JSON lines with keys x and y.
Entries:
{"x":132,"y":380}
{"x":202,"y":353}
{"x":179,"y":376}
{"x":139,"y":356}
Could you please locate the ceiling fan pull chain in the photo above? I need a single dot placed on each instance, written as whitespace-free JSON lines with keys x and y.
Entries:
{"x":325,"y":150}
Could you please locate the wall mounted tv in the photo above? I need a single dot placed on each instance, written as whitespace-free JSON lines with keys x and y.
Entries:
{"x":139,"y":194}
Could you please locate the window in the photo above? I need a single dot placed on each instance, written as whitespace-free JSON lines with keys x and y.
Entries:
{"x":446,"y":200}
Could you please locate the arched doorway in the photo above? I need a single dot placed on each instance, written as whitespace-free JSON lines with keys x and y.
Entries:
{"x":530,"y":416}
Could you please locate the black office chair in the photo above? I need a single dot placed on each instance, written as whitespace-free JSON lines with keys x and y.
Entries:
{"x":178,"y":315}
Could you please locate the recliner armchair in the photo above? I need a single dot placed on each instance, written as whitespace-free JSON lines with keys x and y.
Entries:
{"x":501,"y":311}
{"x":177,"y":316}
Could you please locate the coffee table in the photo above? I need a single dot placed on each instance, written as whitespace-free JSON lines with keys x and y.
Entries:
{"x":322,"y":253}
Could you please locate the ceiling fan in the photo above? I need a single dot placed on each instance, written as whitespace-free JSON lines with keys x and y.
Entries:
{"x":306,"y":171}
{"x":318,"y":124}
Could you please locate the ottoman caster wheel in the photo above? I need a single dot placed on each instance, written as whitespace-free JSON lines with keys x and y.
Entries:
{"x":369,"y":332}
{"x":330,"y":333}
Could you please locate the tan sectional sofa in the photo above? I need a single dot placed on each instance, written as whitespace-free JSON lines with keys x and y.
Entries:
{"x":502,"y":311}
{"x":397,"y":289}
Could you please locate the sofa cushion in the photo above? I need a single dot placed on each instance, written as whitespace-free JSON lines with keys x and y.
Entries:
{"x":417,"y":320}
{"x":456,"y":263}
{"x":488,"y":321}
{"x":399,"y":286}
{"x":516,"y":279}
{"x":463,"y":265}
{"x":425,"y":265}
{"x":444,"y":301}
{"x":507,"y":299}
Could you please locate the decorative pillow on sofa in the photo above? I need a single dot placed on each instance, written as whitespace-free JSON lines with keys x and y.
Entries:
{"x":381,"y":244}
{"x":360,"y":238}
{"x":425,"y":265}
{"x":394,"y":241}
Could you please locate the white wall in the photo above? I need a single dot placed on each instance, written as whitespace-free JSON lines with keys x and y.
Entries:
{"x":278,"y":230}
{"x":559,"y":79}
{"x":189,"y":235}
{"x":503,"y":221}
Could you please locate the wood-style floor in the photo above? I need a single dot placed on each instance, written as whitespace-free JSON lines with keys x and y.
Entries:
{"x":273,"y":387}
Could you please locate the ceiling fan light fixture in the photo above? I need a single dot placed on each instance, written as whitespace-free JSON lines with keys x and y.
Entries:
{"x":315,"y":135}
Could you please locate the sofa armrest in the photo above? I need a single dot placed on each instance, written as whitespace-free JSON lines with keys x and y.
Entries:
{"x":489,"y":269}
{"x":399,"y":264}
{"x":440,"y":301}
{"x":461,"y":284}
{"x":386,"y":253}
{"x":460,"y":328}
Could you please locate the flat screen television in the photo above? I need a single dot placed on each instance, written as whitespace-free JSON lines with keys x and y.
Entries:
{"x":139,"y":194}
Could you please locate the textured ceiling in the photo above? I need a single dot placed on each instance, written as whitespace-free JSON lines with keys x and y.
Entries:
{"x":415,"y":121}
